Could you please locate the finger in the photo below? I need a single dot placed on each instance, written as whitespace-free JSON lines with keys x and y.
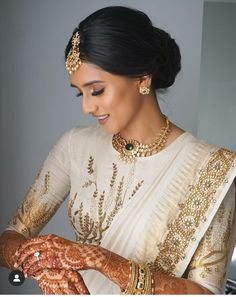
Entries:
{"x":51,"y":288}
{"x":46,"y":289}
{"x":32,"y":259}
{"x":42,"y":264}
{"x":57,"y":289}
{"x":79,"y":283}
{"x":81,"y":288}
{"x":30,"y":251}
{"x":36,"y":267}
{"x":70,"y":289}
{"x":34,"y":240}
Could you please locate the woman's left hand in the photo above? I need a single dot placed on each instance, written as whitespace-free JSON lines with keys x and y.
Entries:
{"x":51,"y":251}
{"x":63,"y":282}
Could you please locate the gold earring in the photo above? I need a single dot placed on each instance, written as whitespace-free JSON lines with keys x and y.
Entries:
{"x":144,"y":90}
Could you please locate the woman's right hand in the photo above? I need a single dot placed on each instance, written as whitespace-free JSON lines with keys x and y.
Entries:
{"x":61,"y":282}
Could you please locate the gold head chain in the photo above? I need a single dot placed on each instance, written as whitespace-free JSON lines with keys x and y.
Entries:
{"x":73,"y":60}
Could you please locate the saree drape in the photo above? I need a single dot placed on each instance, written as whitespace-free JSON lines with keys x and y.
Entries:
{"x":174,"y":210}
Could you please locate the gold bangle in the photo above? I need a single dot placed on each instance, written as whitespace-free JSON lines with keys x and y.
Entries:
{"x":133,"y":277}
{"x":148,"y":282}
{"x":140,"y":280}
{"x":140,"y":286}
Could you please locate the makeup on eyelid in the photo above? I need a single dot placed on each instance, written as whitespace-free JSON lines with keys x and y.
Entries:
{"x":94,"y":93}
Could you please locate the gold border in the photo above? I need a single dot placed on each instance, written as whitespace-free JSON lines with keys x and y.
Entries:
{"x":192,"y":212}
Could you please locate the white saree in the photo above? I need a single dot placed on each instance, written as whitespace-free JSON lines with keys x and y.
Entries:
{"x":174,"y":210}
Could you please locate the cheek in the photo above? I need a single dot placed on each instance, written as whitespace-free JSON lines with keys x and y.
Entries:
{"x":121,"y":101}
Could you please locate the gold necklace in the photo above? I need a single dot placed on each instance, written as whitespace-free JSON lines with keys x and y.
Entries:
{"x":131,"y":149}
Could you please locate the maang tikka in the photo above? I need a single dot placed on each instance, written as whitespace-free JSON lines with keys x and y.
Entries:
{"x":73,"y":60}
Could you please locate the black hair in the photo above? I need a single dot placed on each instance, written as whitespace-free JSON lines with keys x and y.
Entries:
{"x":123,"y":41}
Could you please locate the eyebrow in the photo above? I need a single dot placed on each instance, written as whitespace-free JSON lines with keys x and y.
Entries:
{"x":88,"y":83}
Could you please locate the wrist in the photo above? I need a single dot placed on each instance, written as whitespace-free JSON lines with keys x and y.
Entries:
{"x":92,"y":256}
{"x":140,"y":280}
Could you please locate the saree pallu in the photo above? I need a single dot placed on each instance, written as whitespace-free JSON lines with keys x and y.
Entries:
{"x":174,"y":210}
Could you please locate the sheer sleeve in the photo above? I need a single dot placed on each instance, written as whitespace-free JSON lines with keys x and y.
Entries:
{"x":210,"y":263}
{"x":49,"y":189}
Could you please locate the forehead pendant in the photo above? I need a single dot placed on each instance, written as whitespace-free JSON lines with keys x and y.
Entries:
{"x":73,"y":60}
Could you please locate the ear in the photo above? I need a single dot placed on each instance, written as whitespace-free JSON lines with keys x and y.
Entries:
{"x":145,"y":81}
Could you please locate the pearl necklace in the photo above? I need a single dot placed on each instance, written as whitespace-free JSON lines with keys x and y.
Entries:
{"x":131,"y":149}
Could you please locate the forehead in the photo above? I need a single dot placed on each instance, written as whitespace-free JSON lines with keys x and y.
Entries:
{"x":88,"y":72}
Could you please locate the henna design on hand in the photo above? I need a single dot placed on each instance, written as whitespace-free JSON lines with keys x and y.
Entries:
{"x":116,"y":268}
{"x":60,"y":253}
{"x":55,"y":281}
{"x":57,"y":252}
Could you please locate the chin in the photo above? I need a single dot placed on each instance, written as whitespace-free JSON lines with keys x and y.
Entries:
{"x":110,"y":130}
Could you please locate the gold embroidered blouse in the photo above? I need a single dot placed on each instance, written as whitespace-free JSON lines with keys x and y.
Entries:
{"x":139,"y":210}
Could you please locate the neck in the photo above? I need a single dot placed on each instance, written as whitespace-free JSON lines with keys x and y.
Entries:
{"x":147,"y":123}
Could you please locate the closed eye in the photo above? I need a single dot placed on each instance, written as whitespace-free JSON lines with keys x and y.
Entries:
{"x":95,"y":93}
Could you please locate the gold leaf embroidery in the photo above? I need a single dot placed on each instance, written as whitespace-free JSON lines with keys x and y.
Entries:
{"x":114,"y":175}
{"x":136,"y":189}
{"x":90,"y":166}
{"x":103,"y":208}
{"x":192,"y":212}
{"x":32,"y":214}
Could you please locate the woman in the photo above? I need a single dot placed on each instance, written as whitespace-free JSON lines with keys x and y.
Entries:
{"x":152,"y":206}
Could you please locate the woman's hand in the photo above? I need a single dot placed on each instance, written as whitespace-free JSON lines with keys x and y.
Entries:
{"x":61,"y":282}
{"x":51,"y":251}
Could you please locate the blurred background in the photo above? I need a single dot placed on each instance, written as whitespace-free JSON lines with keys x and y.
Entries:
{"x":37,"y":104}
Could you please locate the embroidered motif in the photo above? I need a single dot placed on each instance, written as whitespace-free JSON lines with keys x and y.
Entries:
{"x":31,"y":215}
{"x":212,"y":253}
{"x":103,"y":207}
{"x":192,"y":212}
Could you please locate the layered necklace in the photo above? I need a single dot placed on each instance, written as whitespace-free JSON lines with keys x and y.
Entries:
{"x":131,"y":149}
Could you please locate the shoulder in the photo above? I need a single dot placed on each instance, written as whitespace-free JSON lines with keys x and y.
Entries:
{"x":212,"y":162}
{"x":87,"y":132}
{"x":84,"y":140}
{"x":82,"y":134}
{"x":194,"y":141}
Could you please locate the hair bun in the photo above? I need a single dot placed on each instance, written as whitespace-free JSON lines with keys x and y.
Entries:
{"x":167,"y":59}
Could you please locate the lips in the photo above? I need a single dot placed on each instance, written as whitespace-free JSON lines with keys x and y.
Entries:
{"x":103,"y":117}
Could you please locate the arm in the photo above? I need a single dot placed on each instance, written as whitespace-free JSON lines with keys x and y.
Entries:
{"x":40,"y":203}
{"x":117,"y":269}
{"x":70,"y":255}
{"x":207,"y":270}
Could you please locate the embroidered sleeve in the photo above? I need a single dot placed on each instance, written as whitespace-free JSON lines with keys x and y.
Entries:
{"x":49,"y":189}
{"x":210,"y":263}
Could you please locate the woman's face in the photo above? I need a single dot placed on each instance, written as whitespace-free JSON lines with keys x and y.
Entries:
{"x":114,"y":101}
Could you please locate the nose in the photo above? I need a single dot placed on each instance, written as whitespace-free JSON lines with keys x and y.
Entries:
{"x":88,"y":106}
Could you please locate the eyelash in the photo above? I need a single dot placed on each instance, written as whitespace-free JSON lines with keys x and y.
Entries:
{"x":95,"y":93}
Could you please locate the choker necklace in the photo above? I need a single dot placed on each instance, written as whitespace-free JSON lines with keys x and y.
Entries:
{"x":131,"y":149}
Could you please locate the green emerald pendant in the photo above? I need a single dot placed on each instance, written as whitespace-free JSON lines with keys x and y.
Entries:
{"x":129,"y":147}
